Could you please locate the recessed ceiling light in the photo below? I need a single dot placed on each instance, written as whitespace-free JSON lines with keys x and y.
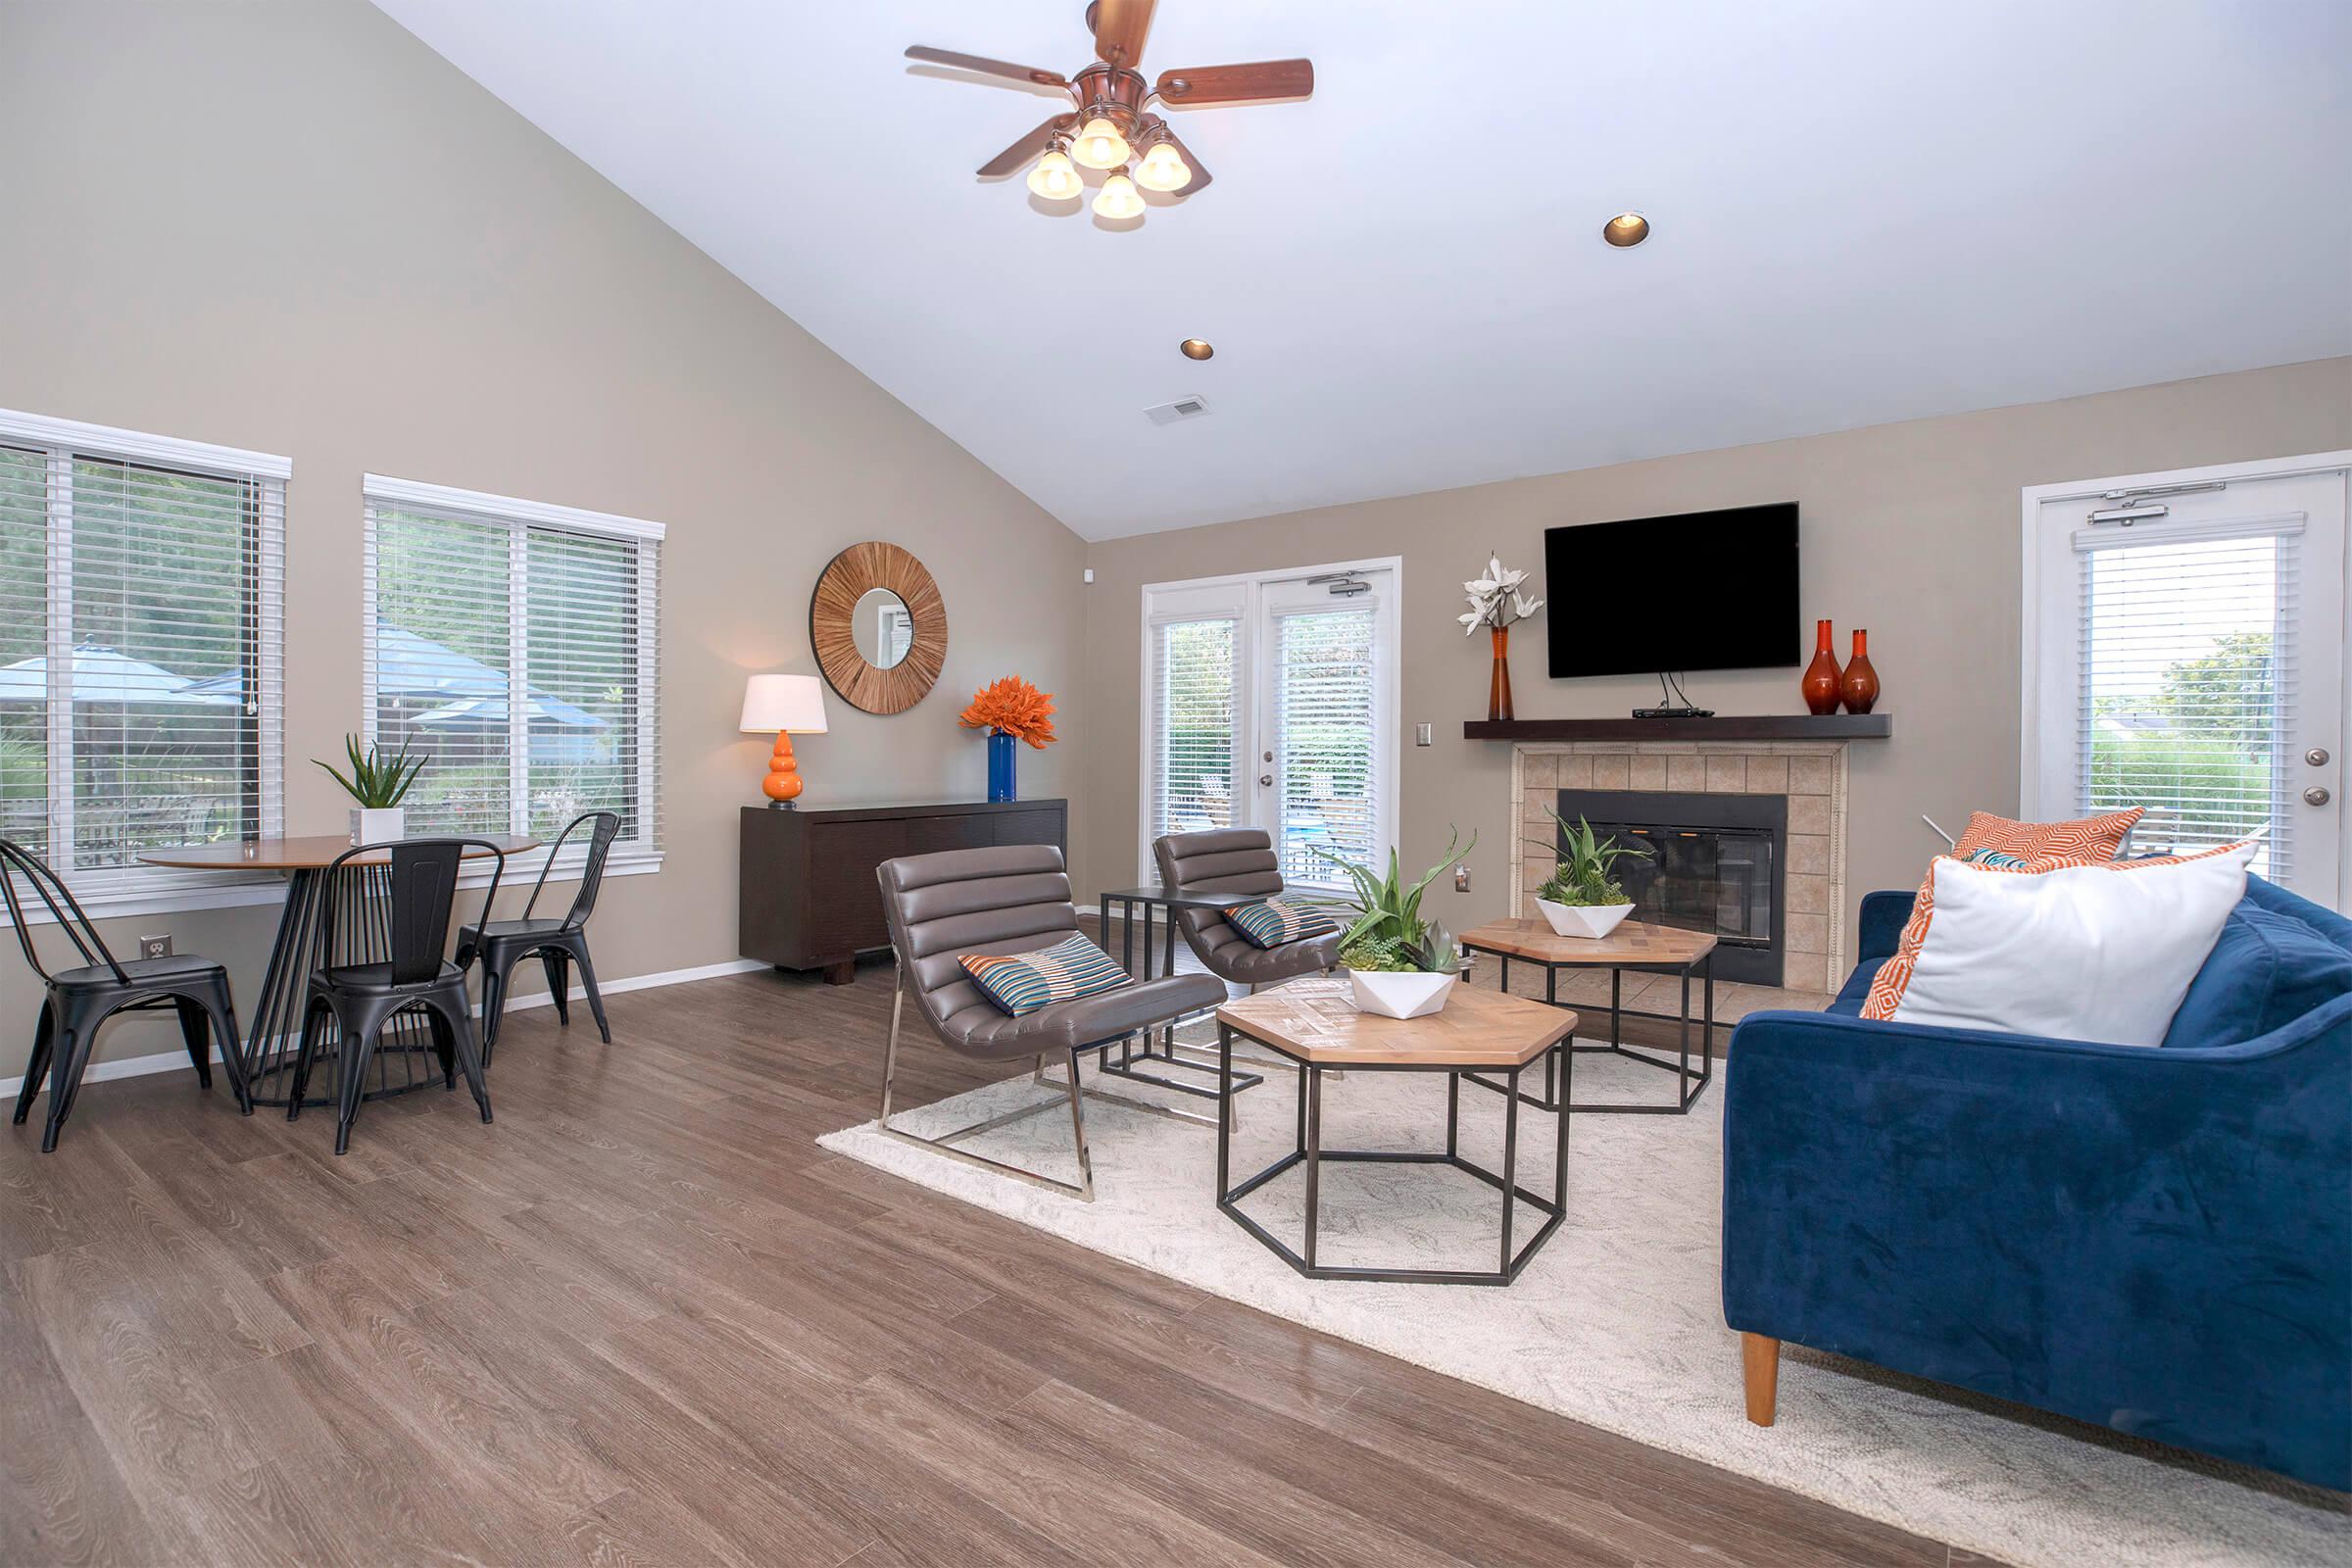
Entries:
{"x":1626,"y":229}
{"x":1196,"y":348}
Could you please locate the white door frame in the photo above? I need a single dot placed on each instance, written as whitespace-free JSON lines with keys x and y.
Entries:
{"x":1246,"y":659}
{"x":2031,"y":669}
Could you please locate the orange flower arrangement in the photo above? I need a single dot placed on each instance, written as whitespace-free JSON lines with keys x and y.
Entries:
{"x":1015,"y":706}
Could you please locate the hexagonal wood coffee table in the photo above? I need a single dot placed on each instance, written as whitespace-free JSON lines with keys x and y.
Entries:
{"x":1314,"y":1024}
{"x":1642,"y":949}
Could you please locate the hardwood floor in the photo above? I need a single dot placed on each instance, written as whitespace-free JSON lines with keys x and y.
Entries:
{"x":643,"y":1318}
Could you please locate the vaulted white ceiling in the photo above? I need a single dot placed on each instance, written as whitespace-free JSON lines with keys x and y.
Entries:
{"x":1863,"y":213}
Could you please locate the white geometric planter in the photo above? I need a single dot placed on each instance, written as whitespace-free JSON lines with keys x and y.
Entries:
{"x":1593,"y":920}
{"x":369,"y":826}
{"x":1409,"y":995}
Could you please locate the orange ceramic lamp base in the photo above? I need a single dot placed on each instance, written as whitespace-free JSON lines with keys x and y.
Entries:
{"x":783,"y":782}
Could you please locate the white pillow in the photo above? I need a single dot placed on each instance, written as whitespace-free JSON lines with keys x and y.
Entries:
{"x":2100,"y":952}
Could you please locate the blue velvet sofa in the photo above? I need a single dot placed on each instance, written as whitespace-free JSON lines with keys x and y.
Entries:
{"x":2156,"y":1240}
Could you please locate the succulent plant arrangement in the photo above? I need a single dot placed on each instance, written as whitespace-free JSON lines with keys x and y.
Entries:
{"x":378,"y":781}
{"x":1384,"y":932}
{"x":1582,"y":877}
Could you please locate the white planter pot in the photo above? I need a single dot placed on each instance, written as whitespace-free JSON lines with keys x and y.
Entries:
{"x":379,"y":827}
{"x":1409,"y":995}
{"x":1595,"y":920}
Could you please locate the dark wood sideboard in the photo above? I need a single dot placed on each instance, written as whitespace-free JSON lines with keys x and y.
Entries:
{"x":809,"y":897}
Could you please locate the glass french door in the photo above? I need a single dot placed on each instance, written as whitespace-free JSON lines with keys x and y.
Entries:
{"x":1271,"y":702}
{"x":2189,"y":657}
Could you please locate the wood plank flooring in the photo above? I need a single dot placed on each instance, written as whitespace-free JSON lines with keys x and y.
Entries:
{"x":643,"y":1319}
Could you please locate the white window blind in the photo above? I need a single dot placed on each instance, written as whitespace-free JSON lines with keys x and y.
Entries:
{"x":1326,"y":702}
{"x":472,"y":599}
{"x":2188,"y":695}
{"x":141,"y":627}
{"x":1193,"y":700}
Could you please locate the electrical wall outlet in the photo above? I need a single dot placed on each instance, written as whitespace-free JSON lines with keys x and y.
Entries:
{"x":1461,"y":879}
{"x":155,"y":947}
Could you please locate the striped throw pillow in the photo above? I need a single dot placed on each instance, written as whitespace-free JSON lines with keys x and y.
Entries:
{"x":1023,"y":982}
{"x":1272,"y":923}
{"x":1893,"y":979}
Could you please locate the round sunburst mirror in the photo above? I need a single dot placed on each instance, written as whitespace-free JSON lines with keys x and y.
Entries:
{"x":879,"y":628}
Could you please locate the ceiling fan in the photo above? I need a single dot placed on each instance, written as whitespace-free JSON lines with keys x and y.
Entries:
{"x":1111,"y":122}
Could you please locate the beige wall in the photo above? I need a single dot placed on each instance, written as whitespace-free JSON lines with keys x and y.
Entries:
{"x":1909,"y":531}
{"x":290,"y":226}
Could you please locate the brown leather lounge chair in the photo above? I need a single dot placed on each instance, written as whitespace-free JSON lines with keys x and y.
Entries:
{"x":1010,"y":899}
{"x":1238,"y":861}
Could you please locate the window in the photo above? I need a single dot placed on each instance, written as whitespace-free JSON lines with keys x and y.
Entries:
{"x":141,"y":600}
{"x":2185,"y":653}
{"x":1271,"y":702}
{"x":472,"y":597}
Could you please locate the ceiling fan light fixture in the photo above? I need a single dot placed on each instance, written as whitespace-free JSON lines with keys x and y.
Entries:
{"x":1053,"y":177}
{"x":1164,"y":169}
{"x":1118,"y":198}
{"x":1099,"y":145}
{"x":1626,"y":230}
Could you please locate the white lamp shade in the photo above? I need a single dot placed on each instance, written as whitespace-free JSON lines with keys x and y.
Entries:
{"x":794,"y":703}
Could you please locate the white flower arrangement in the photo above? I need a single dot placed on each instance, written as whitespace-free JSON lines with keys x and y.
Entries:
{"x":1496,"y":599}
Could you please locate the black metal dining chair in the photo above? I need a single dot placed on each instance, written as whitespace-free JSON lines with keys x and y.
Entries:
{"x":81,"y":999}
{"x":409,"y":925}
{"x":501,"y":945}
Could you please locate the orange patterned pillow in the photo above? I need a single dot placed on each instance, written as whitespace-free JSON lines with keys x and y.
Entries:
{"x":2095,"y":838}
{"x":1888,"y":986}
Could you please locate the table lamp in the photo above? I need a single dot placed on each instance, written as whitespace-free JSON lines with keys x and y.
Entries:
{"x":789,"y":705}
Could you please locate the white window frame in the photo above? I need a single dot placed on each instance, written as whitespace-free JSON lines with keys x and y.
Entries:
{"x":110,"y":891}
{"x":627,"y":858}
{"x":2047,"y":694}
{"x":1249,"y":586}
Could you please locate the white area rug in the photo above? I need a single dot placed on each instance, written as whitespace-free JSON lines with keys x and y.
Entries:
{"x":1617,"y":1321}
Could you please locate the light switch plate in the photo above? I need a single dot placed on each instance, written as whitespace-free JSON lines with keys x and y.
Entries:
{"x":1461,"y":879}
{"x":1421,"y":735}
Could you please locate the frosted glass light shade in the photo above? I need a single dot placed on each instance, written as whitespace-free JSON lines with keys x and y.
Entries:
{"x":1164,"y":169}
{"x":1099,"y":145}
{"x":1054,"y":178}
{"x":773,"y":703}
{"x":1119,"y":197}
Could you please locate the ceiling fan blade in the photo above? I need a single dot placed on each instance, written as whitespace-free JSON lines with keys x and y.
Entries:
{"x":1119,"y":27}
{"x":1028,"y":147}
{"x":1201,"y":174}
{"x":1238,"y":84}
{"x":991,"y":68}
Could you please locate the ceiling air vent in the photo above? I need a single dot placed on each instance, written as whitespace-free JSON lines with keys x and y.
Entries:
{"x":1184,"y":407}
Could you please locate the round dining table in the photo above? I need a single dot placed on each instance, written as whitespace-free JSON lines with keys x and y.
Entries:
{"x":358,"y":894}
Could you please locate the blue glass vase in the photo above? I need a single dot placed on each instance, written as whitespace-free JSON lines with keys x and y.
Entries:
{"x":1000,"y":786}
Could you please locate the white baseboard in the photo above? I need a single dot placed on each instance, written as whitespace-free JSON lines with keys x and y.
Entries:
{"x":100,"y":1072}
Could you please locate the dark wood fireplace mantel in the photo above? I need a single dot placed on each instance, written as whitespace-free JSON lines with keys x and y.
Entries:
{"x":1735,"y":728}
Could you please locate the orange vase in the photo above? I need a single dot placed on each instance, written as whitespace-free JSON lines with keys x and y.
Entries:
{"x":1859,"y":686}
{"x":1821,"y":676}
{"x":1499,"y":688}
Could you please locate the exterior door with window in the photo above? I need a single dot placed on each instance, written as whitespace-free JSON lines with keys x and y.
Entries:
{"x":1271,"y":702}
{"x":2188,"y":655}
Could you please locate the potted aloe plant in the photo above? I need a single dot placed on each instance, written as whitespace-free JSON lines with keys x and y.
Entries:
{"x":1581,"y":897}
{"x":1398,"y":965}
{"x":378,"y":781}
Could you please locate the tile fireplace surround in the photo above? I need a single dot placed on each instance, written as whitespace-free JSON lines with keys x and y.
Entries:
{"x":1812,"y":774}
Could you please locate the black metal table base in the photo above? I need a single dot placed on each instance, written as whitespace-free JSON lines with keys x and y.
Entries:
{"x":1310,"y":1152}
{"x":1128,"y":1055}
{"x":404,"y":1060}
{"x":1688,"y":1085}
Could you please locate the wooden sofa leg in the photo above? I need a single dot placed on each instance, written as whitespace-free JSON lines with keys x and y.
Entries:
{"x":1760,"y":1360}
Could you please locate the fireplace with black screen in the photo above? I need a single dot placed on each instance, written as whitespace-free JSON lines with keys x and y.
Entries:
{"x":1716,"y":863}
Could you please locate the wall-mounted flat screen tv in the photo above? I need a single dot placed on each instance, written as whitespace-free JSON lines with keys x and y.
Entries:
{"x":1701,"y":590}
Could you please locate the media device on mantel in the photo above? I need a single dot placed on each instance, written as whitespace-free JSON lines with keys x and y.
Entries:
{"x":1699,"y":590}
